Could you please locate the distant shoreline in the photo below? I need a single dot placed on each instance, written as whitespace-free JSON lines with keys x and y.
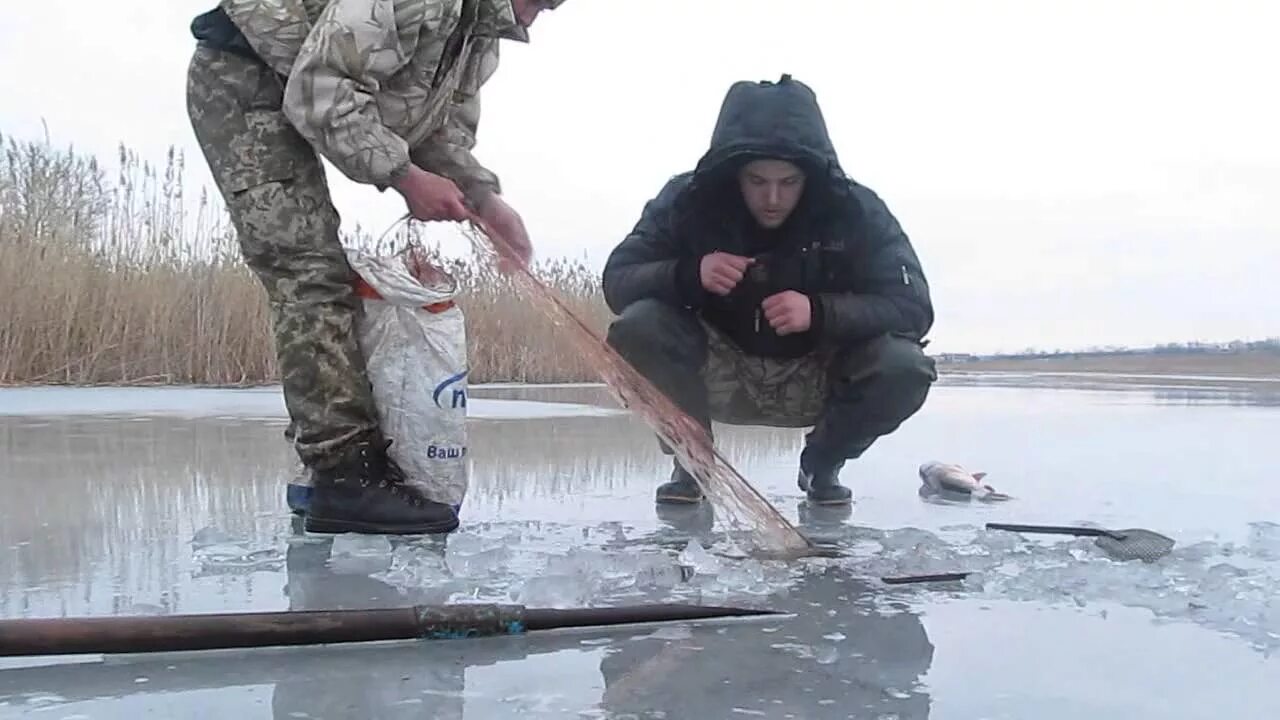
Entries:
{"x":1257,"y":368}
{"x":1191,"y":368}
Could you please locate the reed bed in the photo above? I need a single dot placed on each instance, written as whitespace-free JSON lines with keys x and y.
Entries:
{"x":116,"y":278}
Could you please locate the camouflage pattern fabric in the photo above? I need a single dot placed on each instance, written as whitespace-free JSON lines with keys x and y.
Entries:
{"x":747,"y":389}
{"x":371,"y":85}
{"x":375,"y":84}
{"x":276,"y":193}
{"x":850,"y":396}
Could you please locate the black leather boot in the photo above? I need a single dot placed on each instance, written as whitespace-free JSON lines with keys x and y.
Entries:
{"x":820,"y":480}
{"x":681,"y":489}
{"x":366,"y":493}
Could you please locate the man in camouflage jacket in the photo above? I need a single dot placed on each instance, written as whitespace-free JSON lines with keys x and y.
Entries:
{"x":388,"y":92}
{"x":766,"y":287}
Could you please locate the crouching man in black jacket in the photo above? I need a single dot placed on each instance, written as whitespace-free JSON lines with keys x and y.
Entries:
{"x":767,"y":288}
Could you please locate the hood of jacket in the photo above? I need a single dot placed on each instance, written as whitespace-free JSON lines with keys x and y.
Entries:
{"x":779,"y":120}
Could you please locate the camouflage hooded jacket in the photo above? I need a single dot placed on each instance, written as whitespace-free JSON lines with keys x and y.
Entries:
{"x":376,"y":84}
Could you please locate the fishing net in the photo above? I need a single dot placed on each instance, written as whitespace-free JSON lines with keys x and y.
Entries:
{"x":1127,"y":544}
{"x":1135,"y":544}
{"x":748,"y":512}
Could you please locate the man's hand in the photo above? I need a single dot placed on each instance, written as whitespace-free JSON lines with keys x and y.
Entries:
{"x":513,"y":242}
{"x":721,"y":272}
{"x":788,"y":312}
{"x":431,"y":197}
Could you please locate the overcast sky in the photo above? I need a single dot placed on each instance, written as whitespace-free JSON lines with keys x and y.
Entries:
{"x":1071,"y":173}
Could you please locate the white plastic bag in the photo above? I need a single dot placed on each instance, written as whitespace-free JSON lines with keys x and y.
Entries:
{"x":414,"y":342}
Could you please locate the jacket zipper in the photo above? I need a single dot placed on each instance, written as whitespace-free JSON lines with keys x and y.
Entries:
{"x":906,"y":279}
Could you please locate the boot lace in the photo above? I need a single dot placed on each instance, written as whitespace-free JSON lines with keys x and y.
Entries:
{"x":379,"y":465}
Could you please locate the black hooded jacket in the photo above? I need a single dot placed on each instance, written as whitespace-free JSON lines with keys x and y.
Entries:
{"x":841,"y":246}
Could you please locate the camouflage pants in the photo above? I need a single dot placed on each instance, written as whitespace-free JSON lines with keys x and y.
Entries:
{"x":850,"y":397}
{"x":276,"y":192}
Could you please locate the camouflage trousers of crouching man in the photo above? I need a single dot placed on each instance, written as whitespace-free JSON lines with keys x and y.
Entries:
{"x":849,"y":397}
{"x":276,"y":193}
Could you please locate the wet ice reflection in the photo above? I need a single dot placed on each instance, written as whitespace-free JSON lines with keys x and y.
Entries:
{"x":110,"y":506}
{"x":783,"y":668}
{"x":168,"y":515}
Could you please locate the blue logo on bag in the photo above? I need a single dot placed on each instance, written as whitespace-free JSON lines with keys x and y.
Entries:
{"x":458,"y":398}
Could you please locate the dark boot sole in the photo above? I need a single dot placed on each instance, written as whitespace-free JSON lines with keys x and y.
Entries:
{"x":828,"y":503}
{"x":339,"y":527}
{"x":677,"y":500}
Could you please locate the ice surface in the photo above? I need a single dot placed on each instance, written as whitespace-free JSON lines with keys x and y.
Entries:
{"x":355,"y":554}
{"x":546,"y":565}
{"x":660,"y":573}
{"x":825,"y":654}
{"x":414,"y":566}
{"x":469,"y":555}
{"x":209,"y":536}
{"x":217,"y":552}
{"x":1264,"y":540}
{"x":489,"y":409}
{"x":356,"y":545}
{"x":1225,"y":586}
{"x":556,"y":591}
{"x":696,"y":558}
{"x":265,"y":402}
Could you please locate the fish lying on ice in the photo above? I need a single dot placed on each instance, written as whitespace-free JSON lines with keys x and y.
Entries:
{"x":940,"y":478}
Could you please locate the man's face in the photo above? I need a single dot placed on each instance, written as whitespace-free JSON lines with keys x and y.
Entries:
{"x":771,"y":190}
{"x":527,"y":10}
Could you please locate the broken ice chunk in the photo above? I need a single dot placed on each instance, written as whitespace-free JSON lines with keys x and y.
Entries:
{"x":220,"y":553}
{"x":1264,"y":540}
{"x":555,"y":591}
{"x":659,"y":572}
{"x":357,"y":545}
{"x":697,"y":558}
{"x":473,"y":556}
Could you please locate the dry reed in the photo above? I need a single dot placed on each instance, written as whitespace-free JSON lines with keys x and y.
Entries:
{"x":116,"y":280}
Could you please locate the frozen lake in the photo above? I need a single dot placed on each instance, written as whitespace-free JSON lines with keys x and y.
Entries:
{"x":142,"y":502}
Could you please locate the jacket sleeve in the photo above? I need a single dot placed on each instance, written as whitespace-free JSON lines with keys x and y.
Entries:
{"x":450,"y":150}
{"x":354,"y":47}
{"x":892,"y":292}
{"x":649,"y":262}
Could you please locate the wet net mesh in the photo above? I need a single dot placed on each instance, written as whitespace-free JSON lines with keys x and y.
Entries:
{"x":748,"y":512}
{"x":1136,"y":544}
